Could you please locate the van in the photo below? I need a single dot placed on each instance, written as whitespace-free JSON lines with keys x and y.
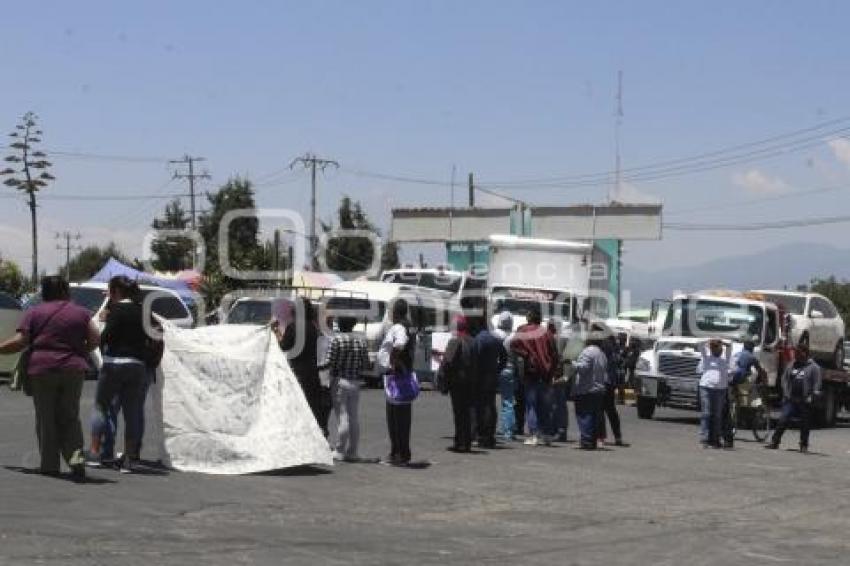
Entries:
{"x":371,"y":303}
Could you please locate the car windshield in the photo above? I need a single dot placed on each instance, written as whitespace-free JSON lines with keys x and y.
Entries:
{"x":250,"y":312}
{"x":791,"y":304}
{"x":363,"y":310}
{"x":89,"y":298}
{"x":521,"y":301}
{"x":710,"y":319}
{"x":166,"y":305}
{"x":439,"y":281}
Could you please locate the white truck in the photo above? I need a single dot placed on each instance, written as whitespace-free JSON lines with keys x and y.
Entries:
{"x":552,"y":275}
{"x":667,"y":374}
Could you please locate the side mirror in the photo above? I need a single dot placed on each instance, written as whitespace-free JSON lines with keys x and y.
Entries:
{"x":816,"y":314}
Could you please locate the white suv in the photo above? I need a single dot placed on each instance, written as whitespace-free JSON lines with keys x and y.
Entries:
{"x":815,"y":321}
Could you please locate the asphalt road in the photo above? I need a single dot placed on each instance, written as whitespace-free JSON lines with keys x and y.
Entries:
{"x":664,"y":500}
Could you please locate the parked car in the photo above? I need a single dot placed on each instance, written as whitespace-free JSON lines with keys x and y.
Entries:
{"x":814,"y":321}
{"x":10,"y":316}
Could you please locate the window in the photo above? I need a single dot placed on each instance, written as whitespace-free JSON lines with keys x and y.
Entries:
{"x":165,"y":305}
{"x":89,"y":298}
{"x":824,"y":306}
{"x":361,"y":309}
{"x":792,"y":304}
{"x":439,"y":281}
{"x":709,"y":318}
{"x":250,"y":312}
{"x":551,"y":304}
{"x":772,"y":332}
{"x":9,"y":302}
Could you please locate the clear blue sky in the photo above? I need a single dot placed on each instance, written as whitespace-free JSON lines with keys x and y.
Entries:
{"x":509,"y":90}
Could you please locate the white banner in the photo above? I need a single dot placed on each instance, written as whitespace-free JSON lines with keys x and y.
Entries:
{"x":231,"y":404}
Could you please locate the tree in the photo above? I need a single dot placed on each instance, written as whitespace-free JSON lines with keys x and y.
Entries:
{"x":32,"y":174}
{"x":91,"y":259}
{"x":355,"y":253}
{"x":172,"y":253}
{"x":244,"y":250}
{"x":836,"y":291}
{"x":11,"y":278}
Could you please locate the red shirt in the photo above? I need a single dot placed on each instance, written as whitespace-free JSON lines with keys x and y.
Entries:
{"x":537,"y":346}
{"x":60,"y":342}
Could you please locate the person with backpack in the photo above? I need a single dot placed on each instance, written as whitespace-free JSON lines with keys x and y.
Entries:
{"x":613,"y":382}
{"x":457,"y":377}
{"x":510,"y":375}
{"x":535,"y":344}
{"x":395,"y":358}
{"x":56,"y":337}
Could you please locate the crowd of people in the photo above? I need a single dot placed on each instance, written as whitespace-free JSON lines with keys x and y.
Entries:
{"x":503,"y":383}
{"x":535,"y":374}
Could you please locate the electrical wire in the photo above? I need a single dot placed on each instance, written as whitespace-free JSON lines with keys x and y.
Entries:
{"x":776,"y":225}
{"x":761,"y":200}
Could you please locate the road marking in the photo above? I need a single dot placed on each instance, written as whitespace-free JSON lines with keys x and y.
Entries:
{"x":765,"y":557}
{"x":768,"y":467}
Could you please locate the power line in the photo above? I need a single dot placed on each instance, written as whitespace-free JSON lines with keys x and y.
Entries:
{"x":68,"y":247}
{"x":776,"y":225}
{"x":683,"y":160}
{"x":190,"y":176}
{"x":79,"y":197}
{"x":785,"y":196}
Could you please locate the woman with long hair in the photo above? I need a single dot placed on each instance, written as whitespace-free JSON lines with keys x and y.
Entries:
{"x":124,"y":344}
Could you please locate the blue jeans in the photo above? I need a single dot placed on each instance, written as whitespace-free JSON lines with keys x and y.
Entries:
{"x":538,"y":406}
{"x":127,"y":383}
{"x":507,"y":391}
{"x":712,"y":405}
{"x":791,"y":409}
{"x":588,"y":407}
{"x":106,"y":424}
{"x":560,"y":416}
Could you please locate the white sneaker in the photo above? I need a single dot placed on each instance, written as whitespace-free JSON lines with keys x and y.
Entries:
{"x":338,"y":456}
{"x":532,"y":440}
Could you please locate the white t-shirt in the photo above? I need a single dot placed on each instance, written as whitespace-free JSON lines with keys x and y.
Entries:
{"x":395,"y":338}
{"x":714,"y":370}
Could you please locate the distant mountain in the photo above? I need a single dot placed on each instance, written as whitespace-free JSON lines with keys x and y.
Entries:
{"x":776,"y":268}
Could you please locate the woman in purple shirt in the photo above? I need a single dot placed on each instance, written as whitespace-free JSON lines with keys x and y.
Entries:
{"x":61,"y":335}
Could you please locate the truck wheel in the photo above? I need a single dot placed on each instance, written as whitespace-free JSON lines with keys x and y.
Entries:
{"x":826,"y":415}
{"x":645,"y":407}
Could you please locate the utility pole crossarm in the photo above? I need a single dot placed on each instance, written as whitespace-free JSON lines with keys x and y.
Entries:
{"x":312,"y":162}
{"x":190,"y":175}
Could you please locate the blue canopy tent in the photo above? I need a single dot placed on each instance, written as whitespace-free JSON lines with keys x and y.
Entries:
{"x":114,"y":267}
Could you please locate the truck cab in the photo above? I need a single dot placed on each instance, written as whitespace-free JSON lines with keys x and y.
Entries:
{"x":667,"y":373}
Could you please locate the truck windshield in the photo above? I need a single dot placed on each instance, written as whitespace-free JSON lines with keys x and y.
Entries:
{"x":709,"y":318}
{"x":551,"y":304}
{"x":363,"y":310}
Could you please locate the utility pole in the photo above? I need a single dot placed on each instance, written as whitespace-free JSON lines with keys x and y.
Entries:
{"x":277,"y":250}
{"x":67,"y":247}
{"x":312,"y":162}
{"x":471,"y":205}
{"x":190,"y":175}
{"x":618,"y":173}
